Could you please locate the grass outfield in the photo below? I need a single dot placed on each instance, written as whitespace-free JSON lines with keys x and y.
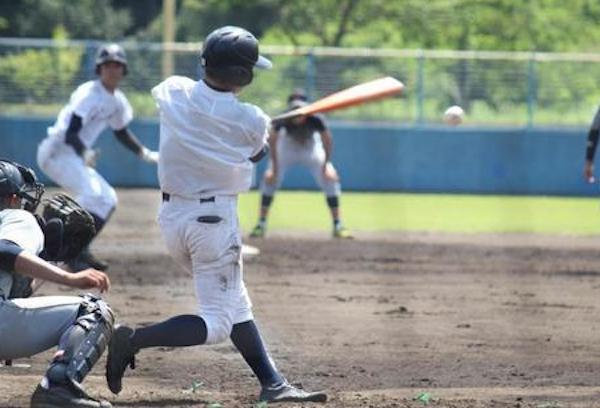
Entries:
{"x":429,"y":212}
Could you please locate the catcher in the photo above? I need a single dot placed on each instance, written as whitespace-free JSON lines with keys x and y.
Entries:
{"x":80,"y":326}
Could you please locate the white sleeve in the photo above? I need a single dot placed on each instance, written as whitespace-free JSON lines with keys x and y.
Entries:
{"x":123,"y":115}
{"x":261,"y":131}
{"x":83,"y":104}
{"x":20,"y":227}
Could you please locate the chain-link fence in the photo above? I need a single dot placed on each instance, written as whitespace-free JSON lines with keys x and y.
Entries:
{"x":494,"y":88}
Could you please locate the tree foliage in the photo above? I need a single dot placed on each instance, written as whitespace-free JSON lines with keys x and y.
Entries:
{"x":519,"y":25}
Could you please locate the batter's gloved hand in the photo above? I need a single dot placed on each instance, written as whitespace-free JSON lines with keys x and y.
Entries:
{"x":90,"y":157}
{"x":149,"y":156}
{"x":68,"y":228}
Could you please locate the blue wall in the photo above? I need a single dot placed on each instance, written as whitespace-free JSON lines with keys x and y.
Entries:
{"x":371,"y":158}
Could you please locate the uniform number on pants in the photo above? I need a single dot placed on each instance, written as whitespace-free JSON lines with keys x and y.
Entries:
{"x":209,"y":219}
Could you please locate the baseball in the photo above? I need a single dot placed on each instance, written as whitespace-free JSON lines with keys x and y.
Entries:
{"x":454,"y":115}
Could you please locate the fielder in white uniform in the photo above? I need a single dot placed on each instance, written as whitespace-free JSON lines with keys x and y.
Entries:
{"x":79,"y":326}
{"x":208,"y":143}
{"x":305,"y":141}
{"x":67,"y":155}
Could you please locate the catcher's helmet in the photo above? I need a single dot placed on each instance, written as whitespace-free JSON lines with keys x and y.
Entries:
{"x":20,"y":181}
{"x":230,"y":53}
{"x":111,"y":52}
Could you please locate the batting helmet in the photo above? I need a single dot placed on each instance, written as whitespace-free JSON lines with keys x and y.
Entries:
{"x":230,"y":53}
{"x":20,"y":181}
{"x":111,"y":52}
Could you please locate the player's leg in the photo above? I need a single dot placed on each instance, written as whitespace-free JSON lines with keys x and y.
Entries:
{"x":284,"y":161}
{"x":79,"y":326}
{"x":246,"y":337}
{"x":100,"y":200}
{"x":331,"y":187}
{"x":206,"y":249}
{"x":88,"y":187}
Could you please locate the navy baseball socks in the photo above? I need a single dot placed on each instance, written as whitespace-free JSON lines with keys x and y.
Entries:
{"x":275,"y":388}
{"x":189,"y":330}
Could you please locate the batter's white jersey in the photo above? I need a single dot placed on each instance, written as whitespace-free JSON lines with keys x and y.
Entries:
{"x":206,"y":139}
{"x":97,"y":108}
{"x":20,"y":227}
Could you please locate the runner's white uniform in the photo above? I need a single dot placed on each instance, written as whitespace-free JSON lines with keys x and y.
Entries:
{"x":98,"y":110}
{"x":206,"y":140}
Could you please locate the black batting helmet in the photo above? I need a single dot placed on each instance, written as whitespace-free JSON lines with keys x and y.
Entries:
{"x":111,"y":52}
{"x":21,"y":181}
{"x":230,"y":53}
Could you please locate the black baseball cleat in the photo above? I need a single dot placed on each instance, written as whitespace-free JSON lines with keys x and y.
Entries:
{"x":120,"y":355}
{"x":64,"y":396}
{"x":288,"y":393}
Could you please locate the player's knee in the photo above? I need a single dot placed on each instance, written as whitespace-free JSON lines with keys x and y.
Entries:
{"x":218,"y":328}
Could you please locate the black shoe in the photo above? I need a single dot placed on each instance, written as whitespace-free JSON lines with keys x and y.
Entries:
{"x":64,"y":396}
{"x":120,"y":355}
{"x":288,"y":393}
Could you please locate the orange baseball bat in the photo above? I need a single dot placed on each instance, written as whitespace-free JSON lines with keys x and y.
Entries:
{"x":355,"y":95}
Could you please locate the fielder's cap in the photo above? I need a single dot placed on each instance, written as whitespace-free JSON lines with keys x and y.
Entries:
{"x":298,"y":94}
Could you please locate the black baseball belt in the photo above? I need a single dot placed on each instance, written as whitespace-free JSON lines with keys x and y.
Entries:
{"x":167,"y":197}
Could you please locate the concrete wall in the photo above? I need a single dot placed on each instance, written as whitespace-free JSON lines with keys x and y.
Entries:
{"x":372,"y":158}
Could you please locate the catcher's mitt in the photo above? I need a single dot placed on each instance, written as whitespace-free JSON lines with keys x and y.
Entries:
{"x":69,"y":228}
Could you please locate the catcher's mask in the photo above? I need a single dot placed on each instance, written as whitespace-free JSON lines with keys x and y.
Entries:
{"x":21,"y":181}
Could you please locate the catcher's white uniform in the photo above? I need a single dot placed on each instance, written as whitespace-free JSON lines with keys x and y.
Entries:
{"x":98,"y":110}
{"x":206,"y":139}
{"x":29,"y":326}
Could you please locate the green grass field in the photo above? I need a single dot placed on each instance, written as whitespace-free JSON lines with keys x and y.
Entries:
{"x":293,"y":210}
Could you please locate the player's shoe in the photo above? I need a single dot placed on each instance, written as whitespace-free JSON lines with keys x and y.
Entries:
{"x":258,"y":232}
{"x":342,"y":233}
{"x":64,"y":396}
{"x":120,"y":355}
{"x":288,"y":393}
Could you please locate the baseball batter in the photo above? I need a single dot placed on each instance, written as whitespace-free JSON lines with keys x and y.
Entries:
{"x":208,"y":143}
{"x":80,"y":326}
{"x":592,"y":143}
{"x":306,"y":141}
{"x":67,"y":156}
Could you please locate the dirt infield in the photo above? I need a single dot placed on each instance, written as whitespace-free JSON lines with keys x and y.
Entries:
{"x":472,"y":321}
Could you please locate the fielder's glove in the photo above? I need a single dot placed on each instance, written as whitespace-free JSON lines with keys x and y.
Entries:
{"x":68,"y":228}
{"x":149,"y":156}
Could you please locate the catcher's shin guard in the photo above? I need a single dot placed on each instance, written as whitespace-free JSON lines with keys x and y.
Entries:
{"x":83,"y":343}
